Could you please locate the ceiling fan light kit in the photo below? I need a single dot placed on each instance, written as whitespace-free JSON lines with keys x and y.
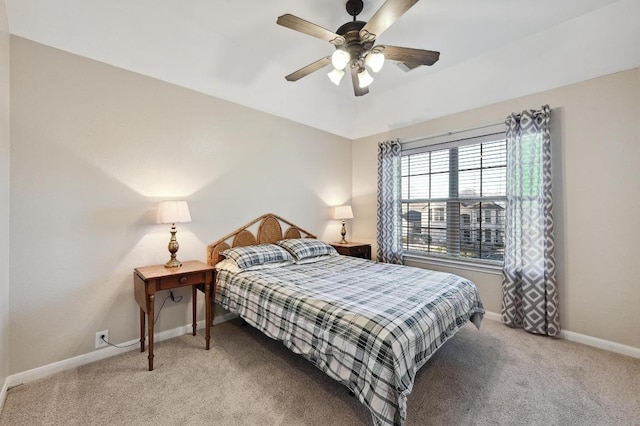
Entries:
{"x":364,"y":78}
{"x":340,"y":58}
{"x":355,"y":45}
{"x":375,"y":61}
{"x":335,"y":76}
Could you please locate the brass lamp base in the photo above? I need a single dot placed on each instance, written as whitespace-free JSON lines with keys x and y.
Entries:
{"x":343,"y":232}
{"x":173,"y":249}
{"x":173,"y":263}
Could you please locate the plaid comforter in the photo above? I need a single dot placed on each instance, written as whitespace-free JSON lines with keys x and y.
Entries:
{"x":369,"y":325}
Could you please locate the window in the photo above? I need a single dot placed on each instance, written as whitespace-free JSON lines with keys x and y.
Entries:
{"x":454,"y":198}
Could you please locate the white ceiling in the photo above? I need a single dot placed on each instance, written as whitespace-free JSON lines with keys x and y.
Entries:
{"x":491,"y":50}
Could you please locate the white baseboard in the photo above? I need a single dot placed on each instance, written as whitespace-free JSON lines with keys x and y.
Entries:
{"x":584,"y":339}
{"x":3,"y":393}
{"x":48,"y":370}
{"x":600,"y":343}
{"x":493,"y":316}
{"x":97,"y":355}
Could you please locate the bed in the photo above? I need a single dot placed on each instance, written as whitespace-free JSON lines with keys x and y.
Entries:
{"x":368,"y":325}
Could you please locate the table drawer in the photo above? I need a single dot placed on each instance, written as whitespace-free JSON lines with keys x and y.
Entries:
{"x":360,"y":250}
{"x":354,"y":249}
{"x":180,"y":280}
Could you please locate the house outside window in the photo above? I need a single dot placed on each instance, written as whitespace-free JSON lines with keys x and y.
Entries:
{"x":438,"y":214}
{"x":454,"y":199}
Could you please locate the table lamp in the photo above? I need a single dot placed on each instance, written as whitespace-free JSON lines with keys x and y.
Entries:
{"x":173,"y":212}
{"x":342,"y":213}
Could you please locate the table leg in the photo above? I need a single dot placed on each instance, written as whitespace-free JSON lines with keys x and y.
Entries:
{"x":142,"y":314}
{"x":150,"y":315}
{"x":194,"y":300}
{"x":207,"y":310}
{"x":213,"y":300}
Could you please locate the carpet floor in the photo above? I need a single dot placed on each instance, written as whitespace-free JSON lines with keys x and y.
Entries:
{"x":492,"y":376}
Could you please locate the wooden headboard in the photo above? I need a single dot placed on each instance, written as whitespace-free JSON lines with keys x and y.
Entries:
{"x":269,"y":231}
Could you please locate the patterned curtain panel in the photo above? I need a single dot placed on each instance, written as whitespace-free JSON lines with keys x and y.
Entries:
{"x":389,"y":209}
{"x":529,"y":291}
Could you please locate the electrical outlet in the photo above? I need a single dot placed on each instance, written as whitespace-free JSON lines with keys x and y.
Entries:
{"x":99,"y":342}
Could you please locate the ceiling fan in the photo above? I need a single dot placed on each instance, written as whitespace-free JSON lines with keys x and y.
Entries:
{"x":354,"y":43}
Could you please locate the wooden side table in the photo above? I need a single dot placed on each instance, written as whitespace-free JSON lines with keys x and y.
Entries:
{"x":148,"y":280}
{"x":353,"y":249}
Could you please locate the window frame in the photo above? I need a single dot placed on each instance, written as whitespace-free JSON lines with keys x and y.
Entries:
{"x":458,"y":229}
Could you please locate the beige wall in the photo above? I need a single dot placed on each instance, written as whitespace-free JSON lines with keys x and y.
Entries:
{"x":596,"y":147}
{"x":4,"y":195}
{"x":94,"y":148}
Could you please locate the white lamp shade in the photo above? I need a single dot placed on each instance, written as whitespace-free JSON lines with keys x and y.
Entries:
{"x":335,"y":76}
{"x":340,"y":58}
{"x":173,"y":212}
{"x":364,"y":79}
{"x":375,"y":61}
{"x":342,"y":212}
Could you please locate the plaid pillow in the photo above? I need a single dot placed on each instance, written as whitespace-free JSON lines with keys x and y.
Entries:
{"x":302,"y":248}
{"x":261,"y":254}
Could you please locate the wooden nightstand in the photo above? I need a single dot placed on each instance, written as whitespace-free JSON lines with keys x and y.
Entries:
{"x":148,"y":280}
{"x":353,"y":249}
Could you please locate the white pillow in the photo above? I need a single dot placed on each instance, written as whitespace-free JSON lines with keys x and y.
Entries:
{"x":228,"y":265}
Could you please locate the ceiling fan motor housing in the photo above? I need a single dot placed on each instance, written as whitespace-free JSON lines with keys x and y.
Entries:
{"x":353,"y":43}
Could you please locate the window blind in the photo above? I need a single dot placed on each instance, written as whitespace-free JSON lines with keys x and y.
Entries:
{"x":454,"y":198}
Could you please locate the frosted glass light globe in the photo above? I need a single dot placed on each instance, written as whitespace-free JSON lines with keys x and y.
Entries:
{"x":364,"y":78}
{"x":375,"y":61}
{"x":335,"y":76}
{"x":340,"y":58}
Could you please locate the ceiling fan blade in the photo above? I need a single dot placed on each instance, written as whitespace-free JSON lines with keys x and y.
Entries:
{"x":305,"y":71}
{"x":407,"y":66}
{"x":356,"y":88}
{"x":388,"y":13}
{"x":306,"y":27}
{"x":409,"y":56}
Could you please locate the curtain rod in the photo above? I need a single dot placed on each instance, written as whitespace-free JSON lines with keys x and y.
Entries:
{"x":451,"y":132}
